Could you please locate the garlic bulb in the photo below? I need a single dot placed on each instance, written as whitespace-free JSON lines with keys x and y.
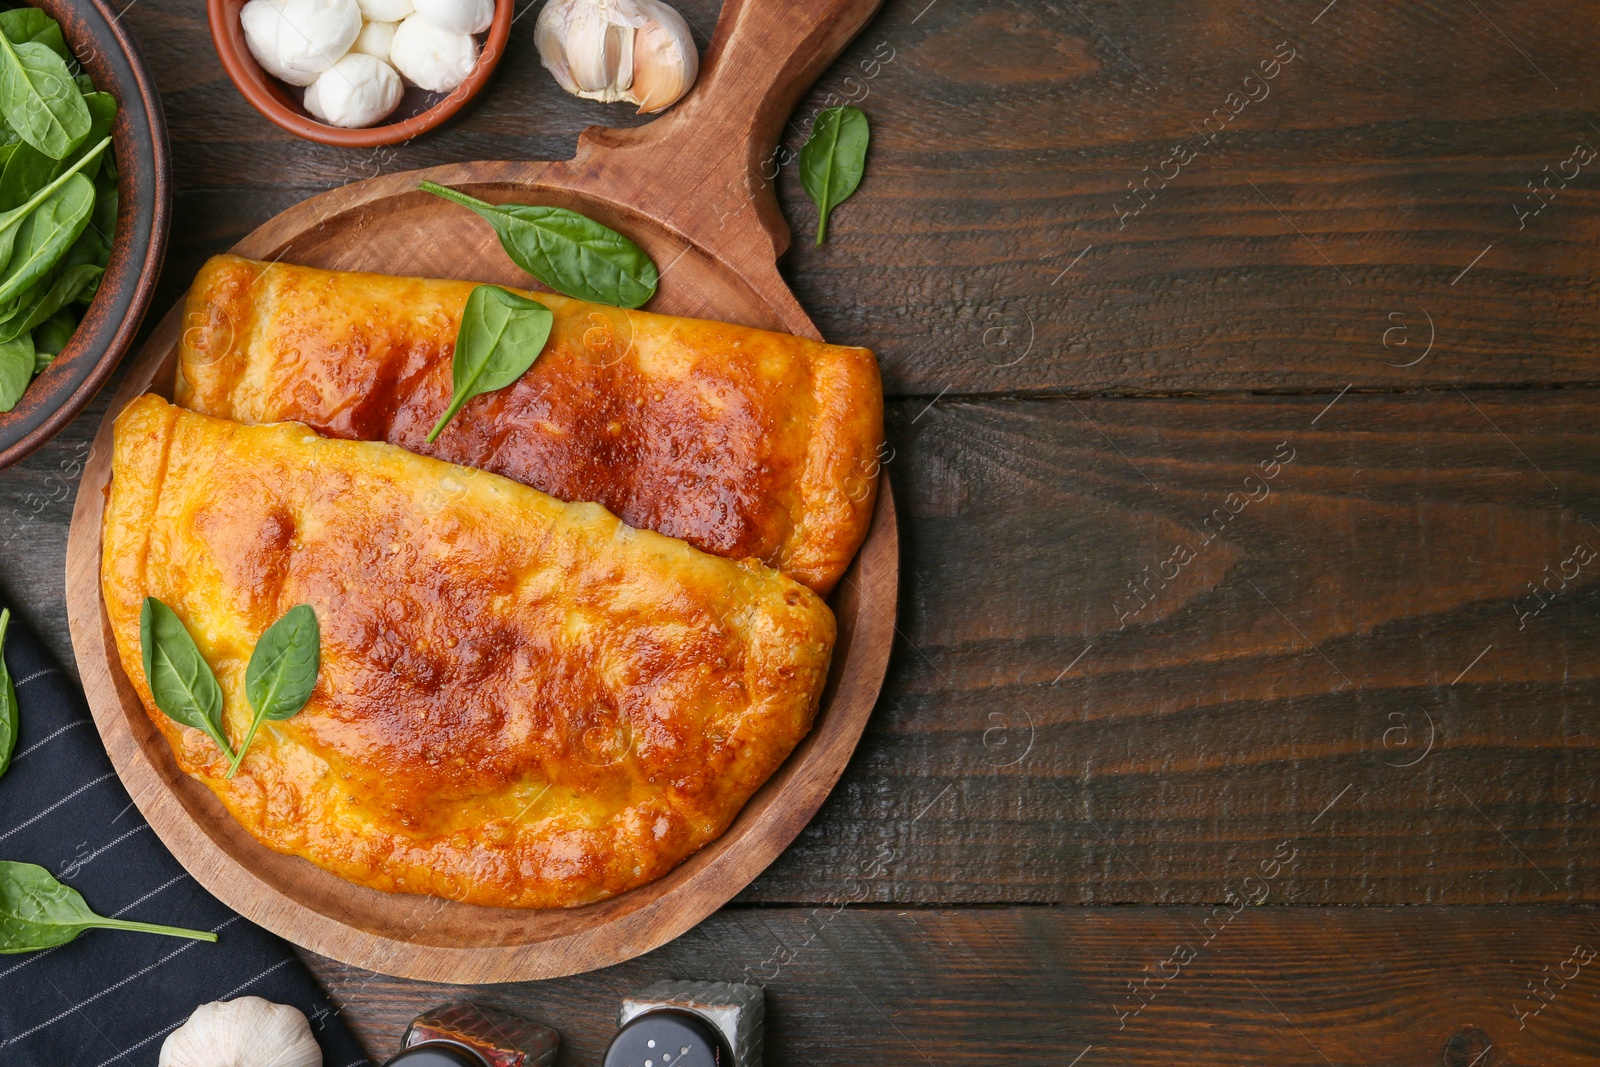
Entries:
{"x":248,"y":1032}
{"x":609,"y":50}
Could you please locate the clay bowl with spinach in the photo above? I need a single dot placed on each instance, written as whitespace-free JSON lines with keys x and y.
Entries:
{"x":84,"y":201}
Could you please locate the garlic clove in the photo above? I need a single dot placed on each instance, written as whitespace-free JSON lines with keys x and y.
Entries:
{"x":247,"y":1032}
{"x":457,"y":16}
{"x":665,"y":62}
{"x":610,"y":50}
{"x":597,"y":49}
{"x":430,"y":57}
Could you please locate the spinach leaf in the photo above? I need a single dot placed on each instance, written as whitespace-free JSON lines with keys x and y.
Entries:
{"x":43,"y":359}
{"x":52,"y":335}
{"x":47,"y":298}
{"x":833,"y":159}
{"x":180,"y":680}
{"x":45,"y":236}
{"x":36,"y":912}
{"x":24,"y":170}
{"x":105,"y":213}
{"x":27,"y":170}
{"x":39,"y":98}
{"x":567,"y":251}
{"x":102,"y":116}
{"x":11,"y":219}
{"x":282,"y":672}
{"x":22,"y":24}
{"x":8,"y":700}
{"x":16,"y":370}
{"x":500,"y":336}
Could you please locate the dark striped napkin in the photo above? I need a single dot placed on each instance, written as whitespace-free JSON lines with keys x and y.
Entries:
{"x":110,"y":998}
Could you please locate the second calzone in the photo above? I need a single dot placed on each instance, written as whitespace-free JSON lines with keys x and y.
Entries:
{"x":742,"y":442}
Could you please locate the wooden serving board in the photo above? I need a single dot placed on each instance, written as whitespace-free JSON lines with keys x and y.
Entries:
{"x":689,"y":188}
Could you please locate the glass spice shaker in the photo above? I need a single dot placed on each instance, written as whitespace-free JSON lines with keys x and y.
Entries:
{"x":690,"y":1024}
{"x":462,"y":1034}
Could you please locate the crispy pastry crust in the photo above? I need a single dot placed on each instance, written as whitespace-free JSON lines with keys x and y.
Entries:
{"x":522,"y":703}
{"x":744,"y":443}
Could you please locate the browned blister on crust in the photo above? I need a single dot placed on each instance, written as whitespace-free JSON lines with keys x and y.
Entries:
{"x":743,"y":442}
{"x":522,"y":703}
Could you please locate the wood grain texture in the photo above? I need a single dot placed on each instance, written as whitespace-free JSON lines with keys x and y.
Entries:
{"x":1396,"y":144}
{"x":1040,"y":740}
{"x":1034,"y":986}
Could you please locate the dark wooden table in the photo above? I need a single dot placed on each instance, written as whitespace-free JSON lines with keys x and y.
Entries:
{"x":1249,"y":496}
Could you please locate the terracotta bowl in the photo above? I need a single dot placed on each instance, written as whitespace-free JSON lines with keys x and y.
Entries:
{"x":419,"y":110}
{"x":139,"y":139}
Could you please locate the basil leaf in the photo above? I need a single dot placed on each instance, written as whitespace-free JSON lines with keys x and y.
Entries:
{"x":180,"y":679}
{"x":39,"y":98}
{"x":8,"y":700}
{"x":500,"y":336}
{"x":36,"y":912}
{"x":282,"y":672}
{"x":569,"y":252}
{"x":16,"y":370}
{"x":833,"y":159}
{"x":23,"y":24}
{"x":45,"y":236}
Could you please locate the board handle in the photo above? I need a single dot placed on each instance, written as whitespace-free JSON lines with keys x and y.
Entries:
{"x":706,"y":167}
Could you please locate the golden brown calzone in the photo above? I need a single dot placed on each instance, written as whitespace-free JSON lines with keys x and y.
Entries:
{"x":521,"y":702}
{"x":744,"y":443}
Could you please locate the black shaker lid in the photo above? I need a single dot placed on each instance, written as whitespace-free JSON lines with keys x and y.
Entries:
{"x":668,"y":1038}
{"x":436,"y":1054}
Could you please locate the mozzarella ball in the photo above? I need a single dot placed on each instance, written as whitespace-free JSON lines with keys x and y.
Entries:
{"x":430,"y":57}
{"x":457,"y":16}
{"x":358,"y":90}
{"x":385,"y":10}
{"x":296,"y":40}
{"x":375,"y":39}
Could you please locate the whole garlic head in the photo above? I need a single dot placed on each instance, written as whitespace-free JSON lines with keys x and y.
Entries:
{"x":298,"y":39}
{"x":247,"y":1032}
{"x":609,"y":50}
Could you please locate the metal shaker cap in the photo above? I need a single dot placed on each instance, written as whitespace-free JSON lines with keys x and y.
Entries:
{"x":668,"y":1037}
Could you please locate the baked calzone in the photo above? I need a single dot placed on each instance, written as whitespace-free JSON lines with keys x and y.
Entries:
{"x":522,"y":702}
{"x":743,"y":442}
